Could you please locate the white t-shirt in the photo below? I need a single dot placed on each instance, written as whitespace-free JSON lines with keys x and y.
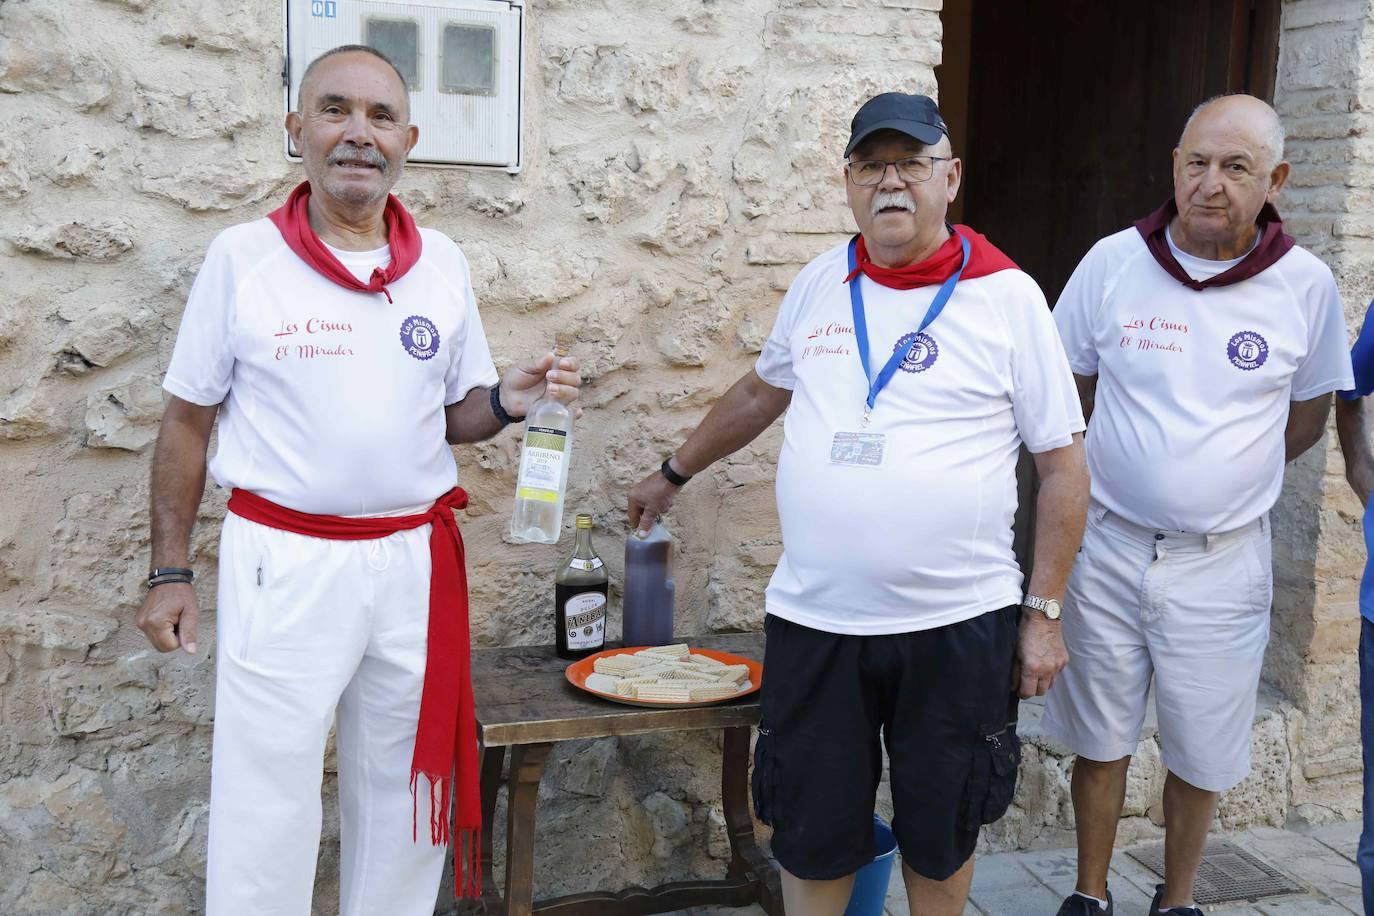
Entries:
{"x":924,"y":539}
{"x":1193,"y":385}
{"x":332,"y":400}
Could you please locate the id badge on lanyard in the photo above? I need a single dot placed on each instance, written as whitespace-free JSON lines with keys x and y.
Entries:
{"x":862,"y":448}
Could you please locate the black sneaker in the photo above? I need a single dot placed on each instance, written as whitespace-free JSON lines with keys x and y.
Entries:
{"x":1078,"y":905}
{"x":1176,"y":911}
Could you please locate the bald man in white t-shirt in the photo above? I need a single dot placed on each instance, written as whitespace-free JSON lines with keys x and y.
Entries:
{"x":340,"y":349}
{"x":1205,"y":345}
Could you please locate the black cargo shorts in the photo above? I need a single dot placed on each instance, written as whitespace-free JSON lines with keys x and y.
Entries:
{"x":940,"y":699}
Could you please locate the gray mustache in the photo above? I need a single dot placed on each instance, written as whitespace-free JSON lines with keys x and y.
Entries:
{"x":892,"y":199}
{"x":342,"y":154}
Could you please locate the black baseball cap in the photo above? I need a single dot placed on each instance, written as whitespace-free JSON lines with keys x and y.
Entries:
{"x":917,"y":116}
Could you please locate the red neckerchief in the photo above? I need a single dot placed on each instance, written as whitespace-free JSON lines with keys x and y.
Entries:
{"x":446,"y":737}
{"x":1273,"y":244}
{"x":984,"y":258}
{"x":292,"y":219}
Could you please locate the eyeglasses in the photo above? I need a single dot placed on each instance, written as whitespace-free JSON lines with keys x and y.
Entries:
{"x":868,"y":172}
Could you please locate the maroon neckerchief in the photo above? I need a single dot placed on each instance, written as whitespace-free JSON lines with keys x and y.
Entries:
{"x":292,"y":219}
{"x":984,"y":258}
{"x":445,"y":754}
{"x":1273,"y":244}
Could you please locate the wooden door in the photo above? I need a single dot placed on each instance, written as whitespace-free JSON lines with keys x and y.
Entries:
{"x":1075,"y":105}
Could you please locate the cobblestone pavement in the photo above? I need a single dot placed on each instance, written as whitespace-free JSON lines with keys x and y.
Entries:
{"x":1033,"y":883}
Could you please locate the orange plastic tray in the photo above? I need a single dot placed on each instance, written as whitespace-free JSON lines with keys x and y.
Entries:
{"x":578,"y":671}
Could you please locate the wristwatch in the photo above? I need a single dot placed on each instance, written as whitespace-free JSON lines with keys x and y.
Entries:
{"x":1047,"y":606}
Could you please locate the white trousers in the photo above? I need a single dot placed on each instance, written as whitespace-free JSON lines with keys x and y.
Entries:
{"x":307,"y":628}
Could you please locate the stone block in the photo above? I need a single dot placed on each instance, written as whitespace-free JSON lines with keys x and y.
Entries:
{"x":27,"y":412}
{"x":226,"y":28}
{"x":191,"y":114}
{"x":94,"y":238}
{"x":1319,"y":59}
{"x":1312,"y":13}
{"x":124,"y":415}
{"x":206,"y":185}
{"x":14,"y":178}
{"x":39,"y":54}
{"x":668,"y":817}
{"x":98,"y":698}
{"x":52,"y":629}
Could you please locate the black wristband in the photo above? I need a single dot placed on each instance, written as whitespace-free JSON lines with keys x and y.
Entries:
{"x":166,"y":575}
{"x":673,"y":477}
{"x":170,"y":580}
{"x":500,"y":412}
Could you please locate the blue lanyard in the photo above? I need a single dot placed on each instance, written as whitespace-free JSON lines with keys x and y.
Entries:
{"x":856,"y":300}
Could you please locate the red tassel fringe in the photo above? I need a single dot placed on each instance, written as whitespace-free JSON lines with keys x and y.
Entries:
{"x":467,"y":849}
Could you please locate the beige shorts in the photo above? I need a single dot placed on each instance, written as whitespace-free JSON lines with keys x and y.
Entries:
{"x":1191,"y":612}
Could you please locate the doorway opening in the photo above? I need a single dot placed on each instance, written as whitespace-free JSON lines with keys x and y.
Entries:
{"x":1065,"y":111}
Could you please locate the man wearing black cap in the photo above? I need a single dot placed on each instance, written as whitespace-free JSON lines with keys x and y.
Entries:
{"x":912,"y":362}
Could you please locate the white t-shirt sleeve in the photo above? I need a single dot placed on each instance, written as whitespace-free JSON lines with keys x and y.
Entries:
{"x":1076,"y":312}
{"x":470,"y":365}
{"x":774,"y":364}
{"x":1044,"y":397}
{"x":202,"y":363}
{"x":1326,"y":366}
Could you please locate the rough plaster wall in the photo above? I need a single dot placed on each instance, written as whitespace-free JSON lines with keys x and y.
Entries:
{"x":682,"y":164}
{"x":1325,"y":83}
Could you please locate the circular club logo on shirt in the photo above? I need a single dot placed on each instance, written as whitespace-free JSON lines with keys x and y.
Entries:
{"x":1247,"y":350}
{"x":922,"y":355}
{"x":420,"y":337}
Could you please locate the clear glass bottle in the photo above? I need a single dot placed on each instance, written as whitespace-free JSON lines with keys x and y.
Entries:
{"x":579,"y":616}
{"x":543,"y":480}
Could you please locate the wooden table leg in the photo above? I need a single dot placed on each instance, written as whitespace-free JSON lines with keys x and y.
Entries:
{"x":746,"y":857}
{"x":493,"y":760}
{"x":526,"y":769}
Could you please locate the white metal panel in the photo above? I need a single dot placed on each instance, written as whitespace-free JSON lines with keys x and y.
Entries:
{"x":476,"y":127}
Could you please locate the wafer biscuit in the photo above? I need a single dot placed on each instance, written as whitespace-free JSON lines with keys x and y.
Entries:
{"x":669,"y":693}
{"x":687,"y":673}
{"x":619,"y":664}
{"x":711,"y":692}
{"x":733,"y":674}
{"x":677,"y":650}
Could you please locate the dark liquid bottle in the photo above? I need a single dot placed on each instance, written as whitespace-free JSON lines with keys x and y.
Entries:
{"x":579,"y":616}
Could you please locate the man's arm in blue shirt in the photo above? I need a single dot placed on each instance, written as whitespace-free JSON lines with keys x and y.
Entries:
{"x":1353,"y":414}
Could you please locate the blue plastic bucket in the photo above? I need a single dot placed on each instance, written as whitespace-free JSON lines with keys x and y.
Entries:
{"x":870,"y":884}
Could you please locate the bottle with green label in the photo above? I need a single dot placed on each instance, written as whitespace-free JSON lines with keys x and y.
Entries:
{"x":543,"y":476}
{"x":579,"y":617}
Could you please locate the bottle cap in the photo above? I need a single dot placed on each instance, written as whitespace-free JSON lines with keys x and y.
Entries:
{"x":584,"y":521}
{"x":562,"y":343}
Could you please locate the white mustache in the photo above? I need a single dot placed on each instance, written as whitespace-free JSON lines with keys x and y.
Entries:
{"x":892,"y":199}
{"x":354,"y":155}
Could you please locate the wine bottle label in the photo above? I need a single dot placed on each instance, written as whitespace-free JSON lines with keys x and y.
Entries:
{"x":585,"y":565}
{"x":585,"y":618}
{"x":541,"y":464}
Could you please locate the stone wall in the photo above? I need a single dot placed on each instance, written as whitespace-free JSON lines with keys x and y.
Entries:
{"x":1325,"y":81}
{"x":682,"y":164}
{"x":680,"y":168}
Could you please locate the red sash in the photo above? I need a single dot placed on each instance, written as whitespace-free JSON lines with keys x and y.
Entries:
{"x":446,"y":737}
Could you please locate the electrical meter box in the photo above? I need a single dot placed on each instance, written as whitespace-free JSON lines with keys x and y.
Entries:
{"x":462,"y":60}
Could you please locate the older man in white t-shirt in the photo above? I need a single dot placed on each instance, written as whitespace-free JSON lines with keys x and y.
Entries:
{"x":913,"y":363}
{"x":1205,"y":345}
{"x":341,"y":350}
